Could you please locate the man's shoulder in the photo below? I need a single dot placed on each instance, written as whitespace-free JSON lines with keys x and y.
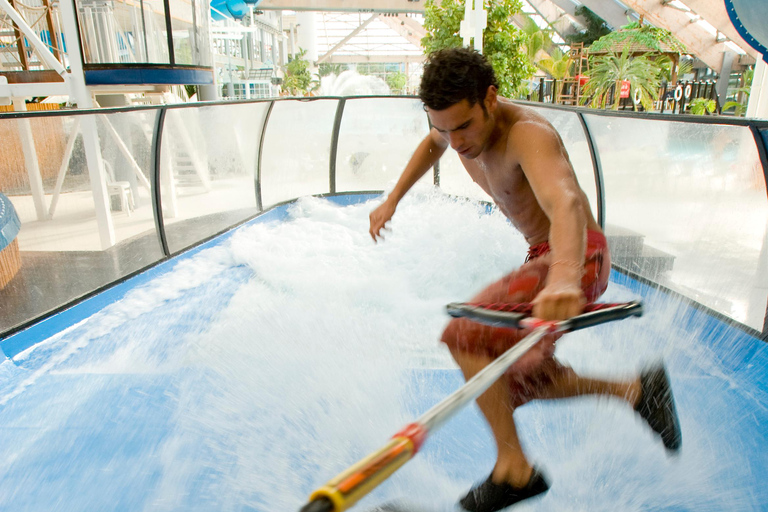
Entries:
{"x":529,"y":126}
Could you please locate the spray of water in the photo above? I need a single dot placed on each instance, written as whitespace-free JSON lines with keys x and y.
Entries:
{"x":254,"y":371}
{"x":351,"y":83}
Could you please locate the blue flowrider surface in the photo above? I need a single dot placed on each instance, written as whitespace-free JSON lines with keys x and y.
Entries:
{"x":245,"y":373}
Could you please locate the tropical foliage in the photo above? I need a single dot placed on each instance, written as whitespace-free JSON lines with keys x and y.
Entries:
{"x":558,"y":65}
{"x":297,"y":75}
{"x":666,"y":65}
{"x":740,"y":107}
{"x":596,"y":28}
{"x":654,"y":38}
{"x":608,"y":72}
{"x":701,"y":106}
{"x":503,"y":44}
{"x":397,"y":82}
{"x":537,"y":39}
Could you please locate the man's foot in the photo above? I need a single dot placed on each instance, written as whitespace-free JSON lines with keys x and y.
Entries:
{"x":490,"y":497}
{"x":657,"y":407}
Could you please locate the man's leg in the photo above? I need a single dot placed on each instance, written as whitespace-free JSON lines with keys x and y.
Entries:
{"x":650,"y":395}
{"x":511,"y":465}
{"x":566,"y":383}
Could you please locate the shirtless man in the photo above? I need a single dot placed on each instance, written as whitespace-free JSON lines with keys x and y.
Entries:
{"x":518,"y":158}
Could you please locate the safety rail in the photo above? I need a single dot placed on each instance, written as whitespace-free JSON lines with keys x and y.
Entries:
{"x":665,"y":189}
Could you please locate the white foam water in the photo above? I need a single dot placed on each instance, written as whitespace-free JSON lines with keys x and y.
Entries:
{"x":256,"y":370}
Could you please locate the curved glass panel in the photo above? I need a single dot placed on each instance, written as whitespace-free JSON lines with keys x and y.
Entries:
{"x":569,"y":127}
{"x":454,"y":179}
{"x":82,"y":227}
{"x":376,"y":139}
{"x":297,"y":150}
{"x":189,"y":20}
{"x":207,"y":170}
{"x":686,"y":207}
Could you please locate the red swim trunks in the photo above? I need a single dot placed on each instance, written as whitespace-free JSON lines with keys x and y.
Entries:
{"x":539,"y":366}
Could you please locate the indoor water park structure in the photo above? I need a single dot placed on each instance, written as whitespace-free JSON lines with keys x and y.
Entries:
{"x":193,"y":315}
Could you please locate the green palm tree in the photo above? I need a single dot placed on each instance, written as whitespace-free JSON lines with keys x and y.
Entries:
{"x":558,"y":65}
{"x":536,"y":38}
{"x":612,"y":69}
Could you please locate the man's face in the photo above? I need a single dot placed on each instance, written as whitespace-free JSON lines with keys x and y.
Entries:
{"x":466,"y":128}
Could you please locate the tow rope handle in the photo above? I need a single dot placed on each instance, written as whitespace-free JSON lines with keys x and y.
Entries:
{"x":343,"y":491}
{"x":518,"y":316}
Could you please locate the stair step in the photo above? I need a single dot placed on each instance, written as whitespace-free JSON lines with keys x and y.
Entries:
{"x":650,"y":262}
{"x":624,"y":242}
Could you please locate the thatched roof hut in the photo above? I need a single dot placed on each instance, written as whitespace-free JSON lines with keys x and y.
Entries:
{"x":641,"y":39}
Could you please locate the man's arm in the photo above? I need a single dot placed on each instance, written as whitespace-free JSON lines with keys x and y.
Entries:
{"x":431,"y":148}
{"x":546,"y":166}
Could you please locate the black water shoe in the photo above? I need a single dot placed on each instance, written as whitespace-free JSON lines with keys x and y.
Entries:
{"x":657,"y":407}
{"x":490,"y":496}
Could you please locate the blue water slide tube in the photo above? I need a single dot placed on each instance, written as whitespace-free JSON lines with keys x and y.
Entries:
{"x":221,"y":9}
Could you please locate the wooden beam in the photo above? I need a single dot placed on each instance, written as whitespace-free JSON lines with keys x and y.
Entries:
{"x":696,"y":38}
{"x":715,"y":14}
{"x":54,"y":36}
{"x":20,"y":42}
{"x":413,"y":34}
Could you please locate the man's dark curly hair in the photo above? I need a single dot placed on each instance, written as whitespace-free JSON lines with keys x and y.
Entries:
{"x":455,"y":74}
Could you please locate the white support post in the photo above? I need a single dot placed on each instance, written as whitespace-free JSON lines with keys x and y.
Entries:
{"x":126,"y":153}
{"x":64,"y":166}
{"x":30,"y":160}
{"x":757,"y":106}
{"x":307,"y":36}
{"x":88,"y":127}
{"x":5,"y":92}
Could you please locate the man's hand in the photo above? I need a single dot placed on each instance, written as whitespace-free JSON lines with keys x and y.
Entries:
{"x":379,"y":217}
{"x":559,"y":301}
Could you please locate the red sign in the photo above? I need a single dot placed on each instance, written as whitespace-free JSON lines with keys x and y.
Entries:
{"x":624,"y":89}
{"x":582,"y":80}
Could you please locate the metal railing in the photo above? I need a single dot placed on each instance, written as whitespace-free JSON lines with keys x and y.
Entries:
{"x":284,"y":148}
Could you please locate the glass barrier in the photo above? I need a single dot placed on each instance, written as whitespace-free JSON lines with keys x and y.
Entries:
{"x":455,"y":180}
{"x":123,"y":32}
{"x":189,"y":20}
{"x":68,"y":246}
{"x":572,"y":132}
{"x":377,"y":137}
{"x":687,"y":203}
{"x":207,"y":170}
{"x":297,"y":150}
